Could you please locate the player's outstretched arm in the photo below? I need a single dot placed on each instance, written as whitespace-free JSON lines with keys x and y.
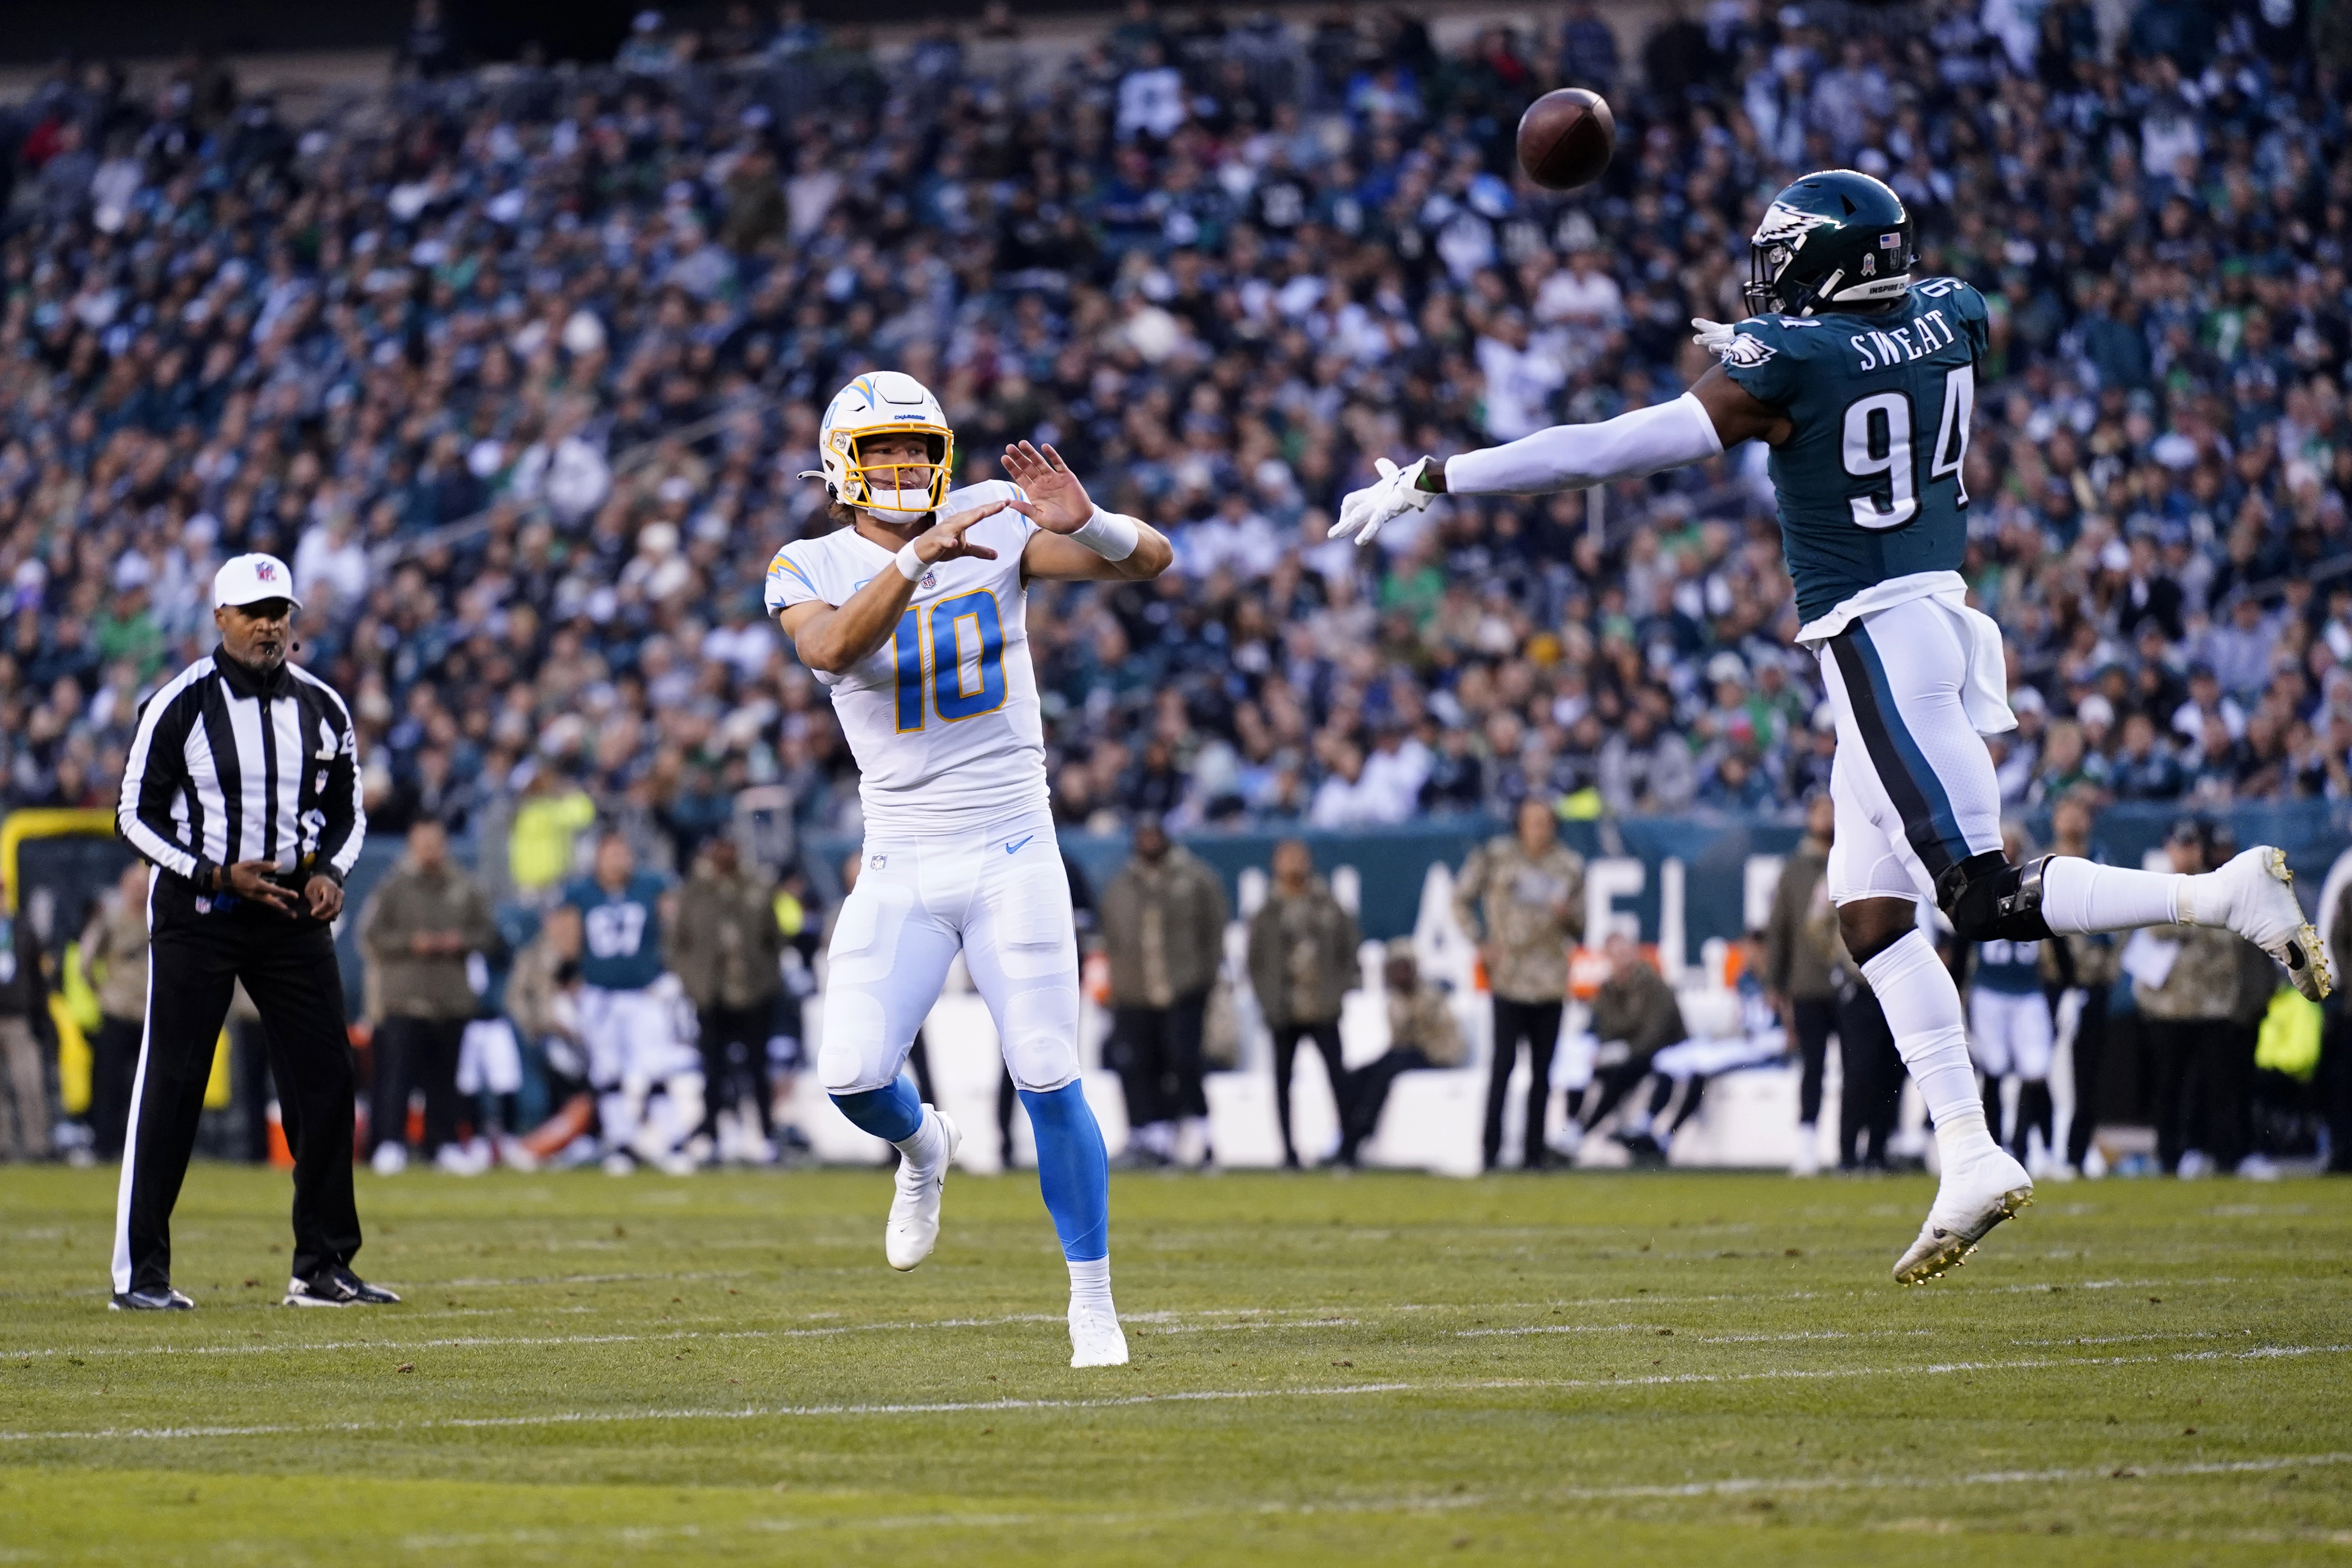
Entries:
{"x":1714,"y":415}
{"x":1077,"y":540}
{"x":834,"y":637}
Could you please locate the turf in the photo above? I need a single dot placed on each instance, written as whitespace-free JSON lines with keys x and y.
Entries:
{"x":1367,"y":1370}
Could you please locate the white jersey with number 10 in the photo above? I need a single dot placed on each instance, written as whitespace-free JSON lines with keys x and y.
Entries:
{"x":942,"y":718}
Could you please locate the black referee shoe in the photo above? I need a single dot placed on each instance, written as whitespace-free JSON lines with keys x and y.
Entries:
{"x":336,"y":1287}
{"x":152,"y":1299}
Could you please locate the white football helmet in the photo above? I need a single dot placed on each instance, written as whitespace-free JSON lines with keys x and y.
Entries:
{"x":886,"y":403}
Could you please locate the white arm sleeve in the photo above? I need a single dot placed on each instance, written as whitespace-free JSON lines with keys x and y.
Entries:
{"x":1572,"y":457}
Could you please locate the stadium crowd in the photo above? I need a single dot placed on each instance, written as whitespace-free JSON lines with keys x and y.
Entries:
{"x":519,"y":368}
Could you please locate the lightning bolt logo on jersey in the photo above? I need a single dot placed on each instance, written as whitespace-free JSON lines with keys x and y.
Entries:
{"x":942,"y":717}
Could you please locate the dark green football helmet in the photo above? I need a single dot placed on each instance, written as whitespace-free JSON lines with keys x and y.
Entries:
{"x":1833,"y":239}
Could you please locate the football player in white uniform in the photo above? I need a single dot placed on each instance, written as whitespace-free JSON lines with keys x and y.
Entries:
{"x":914,"y":618}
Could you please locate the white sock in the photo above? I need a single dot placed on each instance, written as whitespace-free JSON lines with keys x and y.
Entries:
{"x":1923,"y":1010}
{"x":922,"y":1146}
{"x":2082,"y":896}
{"x":1091,"y":1284}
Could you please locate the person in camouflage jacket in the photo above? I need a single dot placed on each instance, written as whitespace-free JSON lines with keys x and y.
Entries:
{"x":2188,"y":1020}
{"x":1422,"y":1034}
{"x":1520,"y":897}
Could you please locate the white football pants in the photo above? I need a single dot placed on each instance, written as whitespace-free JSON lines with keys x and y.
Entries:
{"x":1913,"y":782}
{"x":1002,"y":897}
{"x":2011,"y":1032}
{"x":634,"y":1035}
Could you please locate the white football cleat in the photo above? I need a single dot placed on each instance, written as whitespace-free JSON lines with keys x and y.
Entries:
{"x":2253,"y":895}
{"x":1096,"y":1338}
{"x":914,"y":1227}
{"x":1970,"y":1201}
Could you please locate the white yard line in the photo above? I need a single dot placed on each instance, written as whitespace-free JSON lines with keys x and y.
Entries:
{"x":1343,"y":1391}
{"x":1694,"y":1335}
{"x":1172,"y":1322}
{"x":489,"y":1340}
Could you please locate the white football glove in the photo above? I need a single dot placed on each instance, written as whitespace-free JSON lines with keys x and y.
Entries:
{"x":1715,"y":337}
{"x":1397,"y":492}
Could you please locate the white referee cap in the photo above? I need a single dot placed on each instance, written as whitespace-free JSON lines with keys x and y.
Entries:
{"x":247,"y":579}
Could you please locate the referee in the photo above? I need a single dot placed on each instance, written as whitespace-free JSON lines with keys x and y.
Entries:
{"x":242,"y":787}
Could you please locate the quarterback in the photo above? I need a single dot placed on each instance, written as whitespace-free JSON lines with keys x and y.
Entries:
{"x":1862,"y":381}
{"x":914,"y":617}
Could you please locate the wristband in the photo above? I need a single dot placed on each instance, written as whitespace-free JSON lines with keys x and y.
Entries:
{"x":1109,"y":535}
{"x":910,"y":565}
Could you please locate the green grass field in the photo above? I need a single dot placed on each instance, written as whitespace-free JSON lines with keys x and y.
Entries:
{"x":1376,"y":1369}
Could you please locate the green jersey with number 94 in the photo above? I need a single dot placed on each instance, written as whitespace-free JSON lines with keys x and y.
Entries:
{"x":1870,"y":484}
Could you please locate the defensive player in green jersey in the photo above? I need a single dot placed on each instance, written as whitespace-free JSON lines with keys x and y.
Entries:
{"x":1862,"y":380}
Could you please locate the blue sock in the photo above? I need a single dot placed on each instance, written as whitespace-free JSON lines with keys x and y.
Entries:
{"x":891,"y":1112}
{"x":1073,"y":1170}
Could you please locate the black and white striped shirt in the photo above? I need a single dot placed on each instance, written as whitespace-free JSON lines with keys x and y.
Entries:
{"x":229,"y":765}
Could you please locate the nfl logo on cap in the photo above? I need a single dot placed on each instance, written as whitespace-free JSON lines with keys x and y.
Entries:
{"x":248,"y":579}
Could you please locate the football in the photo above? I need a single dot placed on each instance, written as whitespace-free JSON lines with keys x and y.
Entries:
{"x":1566,"y":138}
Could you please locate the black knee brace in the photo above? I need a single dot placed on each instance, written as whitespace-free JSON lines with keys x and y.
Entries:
{"x":1986,"y":899}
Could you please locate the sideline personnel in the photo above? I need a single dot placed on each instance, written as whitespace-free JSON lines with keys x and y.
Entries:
{"x":242,"y":787}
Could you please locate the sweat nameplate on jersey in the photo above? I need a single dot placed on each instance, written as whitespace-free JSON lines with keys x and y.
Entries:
{"x":1899,"y":345}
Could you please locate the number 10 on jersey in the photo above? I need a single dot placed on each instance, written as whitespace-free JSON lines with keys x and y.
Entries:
{"x":955,"y":650}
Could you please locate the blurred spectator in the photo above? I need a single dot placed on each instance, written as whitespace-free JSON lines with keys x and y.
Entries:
{"x":1423,"y":1033}
{"x":1645,"y":772}
{"x":114,"y":956}
{"x":542,"y":1000}
{"x":2335,"y":1059}
{"x":28,"y":1037}
{"x":1796,"y":973}
{"x":1520,"y":897}
{"x":420,"y":926}
{"x":2186,"y":987}
{"x":1163,"y":930}
{"x":2012,"y":1033}
{"x":2082,"y":972}
{"x":726,"y":950}
{"x":646,"y":1071}
{"x":548,"y":823}
{"x":1302,"y":964}
{"x":1870,"y":1071}
{"x":430,"y":50}
{"x":1635,"y":1016}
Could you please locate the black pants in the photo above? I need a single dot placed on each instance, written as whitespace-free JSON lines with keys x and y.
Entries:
{"x":1286,"y":1036}
{"x":1811,"y":1022}
{"x":413,"y":1053}
{"x":1367,"y":1095}
{"x":1608,"y":1090}
{"x":1873,"y":1080}
{"x":919,"y":1062}
{"x":114,"y":1069}
{"x":2202,"y":1069}
{"x":1537,"y":1023}
{"x":1158,"y":1053}
{"x":290,"y":970}
{"x":734,"y":1046}
{"x":2089,"y":1056}
{"x":2336,"y":1084}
